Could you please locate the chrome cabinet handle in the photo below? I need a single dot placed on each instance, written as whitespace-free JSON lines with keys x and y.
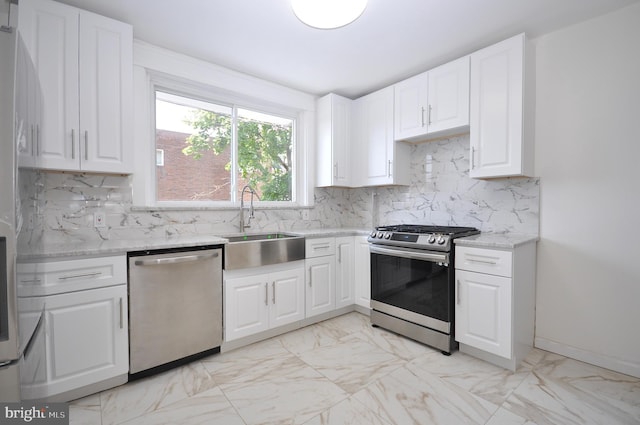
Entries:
{"x":175,"y":260}
{"x":389,"y":169}
{"x":30,"y":281}
{"x":76,"y":276}
{"x":473,"y":260}
{"x":473,"y":157}
{"x":339,"y":253}
{"x":335,"y":170}
{"x":266,"y":293}
{"x":422,"y":116}
{"x":73,"y":143}
{"x":458,"y":291}
{"x":273,"y":292}
{"x":310,"y":276}
{"x":121,"y":314}
{"x":37,"y":140}
{"x":429,"y":116}
{"x":86,"y":145}
{"x":33,"y":143}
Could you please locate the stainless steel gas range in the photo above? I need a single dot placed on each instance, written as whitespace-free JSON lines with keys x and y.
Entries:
{"x":412,"y":281}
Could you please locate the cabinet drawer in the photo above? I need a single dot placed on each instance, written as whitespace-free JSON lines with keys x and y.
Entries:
{"x":56,"y":277}
{"x":320,"y":247}
{"x":482,"y":260}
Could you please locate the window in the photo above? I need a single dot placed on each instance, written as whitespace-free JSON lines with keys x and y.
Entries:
{"x":212,"y":150}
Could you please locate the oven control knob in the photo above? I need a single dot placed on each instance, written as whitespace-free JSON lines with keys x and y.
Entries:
{"x":380,"y":235}
{"x":441,"y":240}
{"x":373,"y":234}
{"x":432,"y":239}
{"x":387,"y":235}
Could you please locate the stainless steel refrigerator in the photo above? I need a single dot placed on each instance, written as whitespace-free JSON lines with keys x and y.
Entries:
{"x":9,"y":341}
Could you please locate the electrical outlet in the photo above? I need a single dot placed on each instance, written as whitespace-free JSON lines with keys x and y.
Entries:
{"x":99,"y":219}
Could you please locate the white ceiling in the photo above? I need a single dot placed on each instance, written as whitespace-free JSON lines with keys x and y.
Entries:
{"x":392,"y":40}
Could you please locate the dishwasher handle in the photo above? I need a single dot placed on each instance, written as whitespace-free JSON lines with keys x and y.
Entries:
{"x":175,"y":260}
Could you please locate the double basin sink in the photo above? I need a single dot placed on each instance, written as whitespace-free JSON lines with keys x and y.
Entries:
{"x":262,"y":249}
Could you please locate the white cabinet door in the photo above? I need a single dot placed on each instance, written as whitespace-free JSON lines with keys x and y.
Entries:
{"x":448,"y":105}
{"x":434,"y":103}
{"x":483,"y":312}
{"x":28,"y":97}
{"x":362,"y":272}
{"x":86,"y":339}
{"x":246,"y":306}
{"x":333,"y":116}
{"x":499,"y":145}
{"x":411,"y":101}
{"x":106,"y":86}
{"x":320,"y":290}
{"x":385,"y":162}
{"x":345,"y":263}
{"x":287,"y":297}
{"x":85,"y":67}
{"x":50,"y":32}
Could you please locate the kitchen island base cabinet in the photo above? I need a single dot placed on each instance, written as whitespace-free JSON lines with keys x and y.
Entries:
{"x":262,"y":298}
{"x":495,"y":303}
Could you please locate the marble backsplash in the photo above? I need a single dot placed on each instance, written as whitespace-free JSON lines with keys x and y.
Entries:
{"x":58,"y":208}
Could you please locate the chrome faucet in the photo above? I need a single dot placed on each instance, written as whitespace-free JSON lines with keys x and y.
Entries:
{"x":244,"y":225}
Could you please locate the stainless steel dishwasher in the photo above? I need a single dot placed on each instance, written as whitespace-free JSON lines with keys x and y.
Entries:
{"x":175,"y":307}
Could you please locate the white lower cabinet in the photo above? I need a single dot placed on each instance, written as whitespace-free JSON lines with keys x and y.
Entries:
{"x":262,"y":298}
{"x":321,"y":284}
{"x":81,"y":345}
{"x":362,"y":272}
{"x":483,"y":312}
{"x":83,"y":340}
{"x":259,"y":299}
{"x":495,"y":302}
{"x":345,"y":273}
{"x":330,"y":274}
{"x":320,"y":269}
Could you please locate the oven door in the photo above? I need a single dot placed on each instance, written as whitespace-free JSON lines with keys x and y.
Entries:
{"x":414,"y":285}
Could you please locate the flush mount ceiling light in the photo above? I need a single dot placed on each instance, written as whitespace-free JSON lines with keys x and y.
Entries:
{"x":328,"y":14}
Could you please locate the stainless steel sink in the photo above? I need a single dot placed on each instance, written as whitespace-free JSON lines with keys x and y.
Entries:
{"x":262,"y":249}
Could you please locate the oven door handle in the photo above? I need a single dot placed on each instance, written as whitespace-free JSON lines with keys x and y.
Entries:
{"x":410,"y":253}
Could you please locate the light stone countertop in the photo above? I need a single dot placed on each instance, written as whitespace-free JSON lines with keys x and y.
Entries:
{"x":122,"y":246}
{"x":496,"y":240}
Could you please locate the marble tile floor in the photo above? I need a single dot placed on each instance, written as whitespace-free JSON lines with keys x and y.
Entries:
{"x":343,"y":371}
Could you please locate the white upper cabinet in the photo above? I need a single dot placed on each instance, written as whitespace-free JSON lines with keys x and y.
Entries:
{"x":411,"y":99}
{"x":434,"y":103}
{"x":85,"y":66}
{"x":383,"y":161}
{"x":501,"y":110}
{"x":333,"y":117}
{"x":27,"y":108}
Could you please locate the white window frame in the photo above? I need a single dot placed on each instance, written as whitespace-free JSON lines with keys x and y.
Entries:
{"x":233,"y":102}
{"x":168,"y":71}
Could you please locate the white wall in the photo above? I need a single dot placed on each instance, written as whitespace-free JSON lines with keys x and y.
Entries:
{"x":587,"y":156}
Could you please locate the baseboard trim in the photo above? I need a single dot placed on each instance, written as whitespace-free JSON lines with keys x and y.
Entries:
{"x":618,"y":365}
